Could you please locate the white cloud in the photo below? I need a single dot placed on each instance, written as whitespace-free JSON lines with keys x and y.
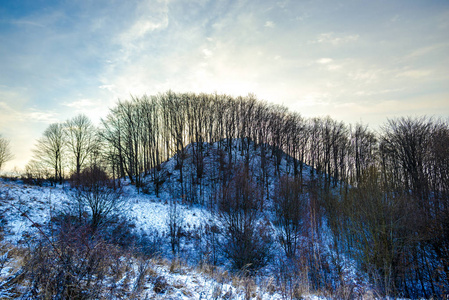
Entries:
{"x":141,"y":27}
{"x":328,"y":64}
{"x":93,"y":108}
{"x":207,"y":53}
{"x":79,"y":104}
{"x":333,"y":67}
{"x":109,"y":87}
{"x":424,"y":51}
{"x":270,"y":24}
{"x":332,"y":38}
{"x":366,"y":75}
{"x":24,"y":22}
{"x":317,"y":99}
{"x":324,"y":61}
{"x":40,"y":116}
{"x":133,"y":37}
{"x":10,"y":115}
{"x":415,"y":74}
{"x":377,"y":92}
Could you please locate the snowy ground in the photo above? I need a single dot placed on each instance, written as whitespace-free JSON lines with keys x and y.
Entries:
{"x":24,"y":208}
{"x":24,"y":205}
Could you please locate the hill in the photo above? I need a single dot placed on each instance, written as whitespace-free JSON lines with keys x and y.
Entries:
{"x":184,"y":194}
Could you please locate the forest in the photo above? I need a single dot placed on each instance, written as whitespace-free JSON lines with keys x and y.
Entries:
{"x":271,"y":178}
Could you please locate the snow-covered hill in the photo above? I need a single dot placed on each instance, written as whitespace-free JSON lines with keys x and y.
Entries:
{"x":26,"y":210}
{"x":205,"y":166}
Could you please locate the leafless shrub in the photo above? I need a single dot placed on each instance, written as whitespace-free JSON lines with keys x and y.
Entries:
{"x":143,"y":269}
{"x":175,"y":222}
{"x":94,"y":191}
{"x":247,"y":242}
{"x":206,"y":244}
{"x":73,"y":264}
{"x":290,"y":209}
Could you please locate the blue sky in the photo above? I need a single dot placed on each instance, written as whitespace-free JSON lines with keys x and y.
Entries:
{"x":354,"y":60}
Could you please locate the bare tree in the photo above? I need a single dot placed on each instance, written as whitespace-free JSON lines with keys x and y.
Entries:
{"x":290,"y":208}
{"x":95,"y":191}
{"x":363,"y":149}
{"x":123,"y":130}
{"x":50,"y":149}
{"x":5,"y":151}
{"x":175,"y":222}
{"x":81,"y":140}
{"x":405,"y":141}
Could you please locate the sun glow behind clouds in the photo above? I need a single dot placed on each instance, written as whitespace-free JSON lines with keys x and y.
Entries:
{"x":353,"y":61}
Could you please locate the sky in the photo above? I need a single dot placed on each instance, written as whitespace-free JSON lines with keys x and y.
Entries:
{"x":354,"y":60}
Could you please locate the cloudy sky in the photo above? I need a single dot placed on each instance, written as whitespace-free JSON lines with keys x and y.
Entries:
{"x":355,"y":60}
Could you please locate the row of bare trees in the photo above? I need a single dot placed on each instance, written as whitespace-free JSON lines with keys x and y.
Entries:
{"x":139,"y":134}
{"x":72,"y":145}
{"x":143,"y":132}
{"x":396,"y":220}
{"x":372,"y":185}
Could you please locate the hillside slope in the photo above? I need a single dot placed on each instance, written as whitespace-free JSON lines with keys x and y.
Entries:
{"x":27,"y":213}
{"x":196,"y":174}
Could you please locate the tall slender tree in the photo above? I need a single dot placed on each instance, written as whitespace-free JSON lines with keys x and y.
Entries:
{"x":5,"y":151}
{"x":50,"y":150}
{"x":81,"y":140}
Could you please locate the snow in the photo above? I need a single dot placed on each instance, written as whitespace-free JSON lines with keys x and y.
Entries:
{"x":23,"y":208}
{"x":151,"y":213}
{"x":24,"y":205}
{"x":30,"y":204}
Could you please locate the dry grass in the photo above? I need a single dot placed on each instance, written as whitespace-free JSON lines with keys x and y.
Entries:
{"x":270,"y":286}
{"x":142,"y":278}
{"x":11,"y":264}
{"x":206,"y":269}
{"x":151,"y":272}
{"x":187,"y":293}
{"x":176,"y":266}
